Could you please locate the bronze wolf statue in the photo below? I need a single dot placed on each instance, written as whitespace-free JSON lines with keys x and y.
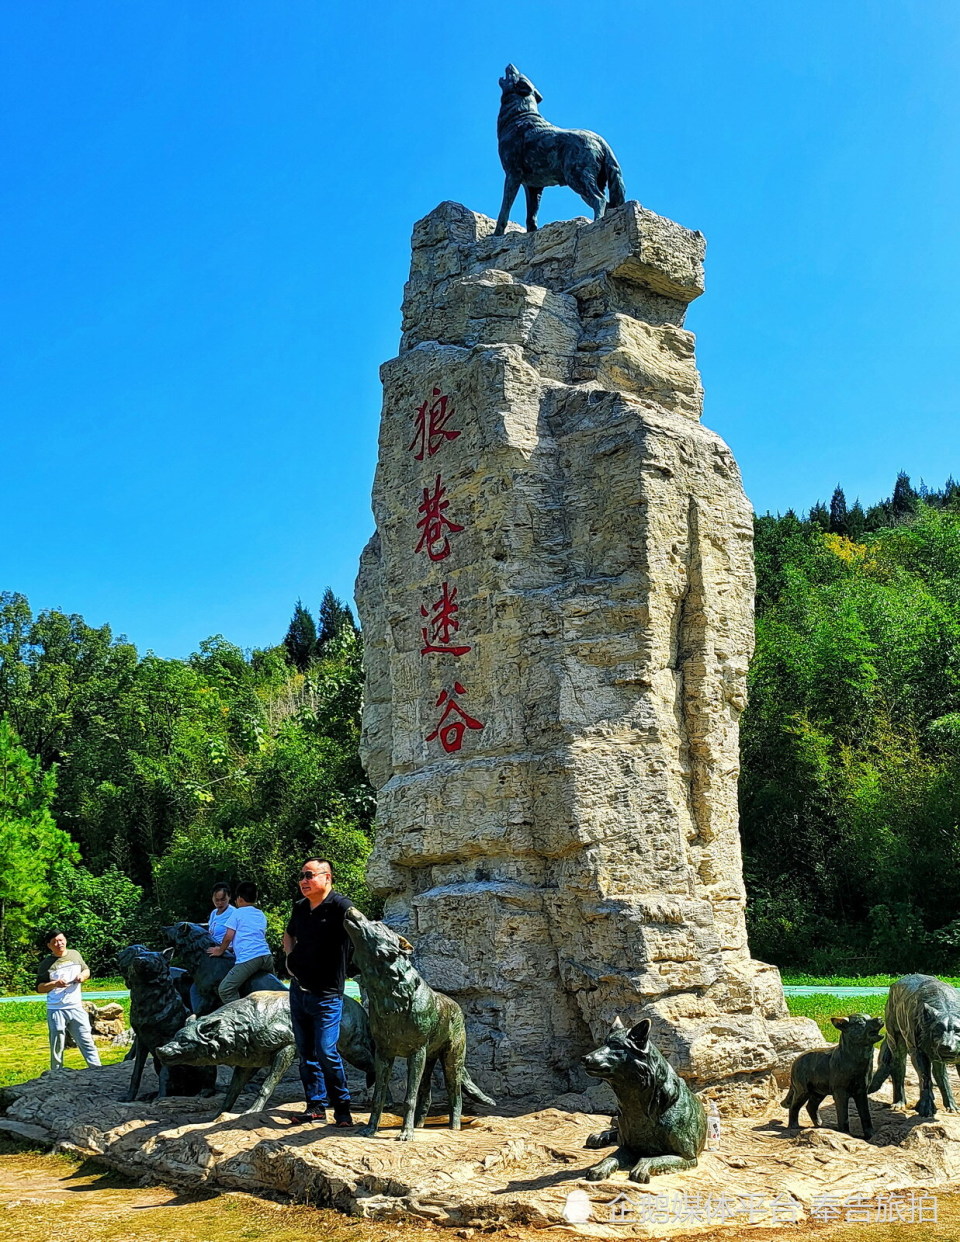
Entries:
{"x":661,"y":1126}
{"x":408,"y":1019}
{"x":535,"y":154}
{"x":922,"y":1018}
{"x":841,"y":1071}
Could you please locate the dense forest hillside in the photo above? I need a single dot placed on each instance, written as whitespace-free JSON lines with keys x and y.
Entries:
{"x":850,"y":785}
{"x":129,"y":784}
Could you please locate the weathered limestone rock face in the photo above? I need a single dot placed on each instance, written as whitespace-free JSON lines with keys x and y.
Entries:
{"x":557,"y":608}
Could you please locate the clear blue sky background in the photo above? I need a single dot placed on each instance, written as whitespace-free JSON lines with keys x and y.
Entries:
{"x":204,"y":226}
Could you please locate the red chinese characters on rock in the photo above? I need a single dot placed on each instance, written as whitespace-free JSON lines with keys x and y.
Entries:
{"x":441,"y":619}
{"x":433,"y":526}
{"x":442,"y":624}
{"x":431,"y":423}
{"x":451,"y":734}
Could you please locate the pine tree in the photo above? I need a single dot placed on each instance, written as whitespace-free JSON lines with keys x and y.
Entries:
{"x":838,"y":512}
{"x":335,"y":615}
{"x":856,"y":521}
{"x":301,"y":639}
{"x":820,"y":516}
{"x":904,"y":500}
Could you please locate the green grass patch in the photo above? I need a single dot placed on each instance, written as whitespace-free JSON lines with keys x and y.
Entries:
{"x":25,"y":1046}
{"x":822,"y":1007}
{"x":852,"y":981}
{"x":109,"y":983}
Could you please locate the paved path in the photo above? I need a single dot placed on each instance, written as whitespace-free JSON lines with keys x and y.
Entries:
{"x":351,"y":989}
{"x":820,"y":989}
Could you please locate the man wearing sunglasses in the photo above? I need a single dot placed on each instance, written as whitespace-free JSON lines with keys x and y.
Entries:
{"x":318,"y":951}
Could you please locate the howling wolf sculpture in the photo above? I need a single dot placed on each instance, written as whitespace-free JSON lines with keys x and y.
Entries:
{"x":535,"y":154}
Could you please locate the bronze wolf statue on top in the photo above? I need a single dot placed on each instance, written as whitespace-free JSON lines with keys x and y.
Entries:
{"x":535,"y":154}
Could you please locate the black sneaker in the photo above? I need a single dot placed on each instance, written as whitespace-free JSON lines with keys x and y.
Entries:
{"x":311,"y":1115}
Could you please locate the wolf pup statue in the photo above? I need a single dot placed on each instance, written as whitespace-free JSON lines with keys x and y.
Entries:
{"x":661,"y":1126}
{"x":535,"y":154}
{"x":842,"y":1071}
{"x":922,"y":1018}
{"x":408,"y":1019}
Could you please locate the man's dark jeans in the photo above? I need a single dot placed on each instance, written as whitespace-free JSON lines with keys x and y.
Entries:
{"x":316,"y":1029}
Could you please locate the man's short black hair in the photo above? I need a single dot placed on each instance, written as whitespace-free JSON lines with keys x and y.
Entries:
{"x":221,"y":887}
{"x":324,"y":862}
{"x":247,"y":891}
{"x":48,"y":936}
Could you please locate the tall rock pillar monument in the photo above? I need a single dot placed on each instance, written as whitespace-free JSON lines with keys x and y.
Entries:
{"x":557,"y":610}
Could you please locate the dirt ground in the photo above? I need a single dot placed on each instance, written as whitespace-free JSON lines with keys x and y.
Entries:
{"x":55,"y":1196}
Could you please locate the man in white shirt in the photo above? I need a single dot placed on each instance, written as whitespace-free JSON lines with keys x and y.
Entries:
{"x":245,"y":934}
{"x":59,"y":976}
{"x":222,"y":909}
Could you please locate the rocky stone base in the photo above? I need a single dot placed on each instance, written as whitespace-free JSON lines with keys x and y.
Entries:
{"x":497,"y":1170}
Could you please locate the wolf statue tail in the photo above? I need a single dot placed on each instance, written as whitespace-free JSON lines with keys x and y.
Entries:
{"x":469,"y":1087}
{"x":614,"y":176}
{"x":884,"y":1066}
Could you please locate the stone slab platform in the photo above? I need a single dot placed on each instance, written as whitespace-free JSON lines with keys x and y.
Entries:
{"x":496,"y":1171}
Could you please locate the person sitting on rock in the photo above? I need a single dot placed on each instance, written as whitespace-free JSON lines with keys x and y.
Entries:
{"x":59,"y":977}
{"x":245,"y":934}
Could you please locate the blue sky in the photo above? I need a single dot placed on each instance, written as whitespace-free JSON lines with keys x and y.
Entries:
{"x":204,"y":229}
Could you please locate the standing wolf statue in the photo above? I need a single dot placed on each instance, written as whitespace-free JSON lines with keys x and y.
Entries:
{"x":535,"y":154}
{"x":922,"y":1020}
{"x":409,"y":1019}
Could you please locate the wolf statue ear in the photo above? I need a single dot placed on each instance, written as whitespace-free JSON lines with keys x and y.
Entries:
{"x":537,"y":96}
{"x":840,"y":1023}
{"x":405,"y":945}
{"x":617,"y":1024}
{"x":640,"y":1033}
{"x":167,"y":953}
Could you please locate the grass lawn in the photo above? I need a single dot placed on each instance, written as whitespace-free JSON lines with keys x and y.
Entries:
{"x":853,"y":981}
{"x":822,"y":1007}
{"x":25,"y":1047}
{"x":109,"y":983}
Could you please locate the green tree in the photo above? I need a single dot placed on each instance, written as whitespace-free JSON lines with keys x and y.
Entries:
{"x":31,"y":845}
{"x":335,"y":619}
{"x":300,"y":642}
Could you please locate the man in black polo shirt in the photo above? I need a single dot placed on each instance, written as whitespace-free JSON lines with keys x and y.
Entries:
{"x":318,"y":949}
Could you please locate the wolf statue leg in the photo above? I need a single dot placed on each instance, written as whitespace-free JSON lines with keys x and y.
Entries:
{"x":416,"y":1062}
{"x":603,"y":1139}
{"x":622,"y":1158}
{"x":425,"y":1094}
{"x":511,"y":186}
{"x":644,"y":1169}
{"x":534,"y":193}
{"x":940,"y":1075}
{"x":926,"y":1105}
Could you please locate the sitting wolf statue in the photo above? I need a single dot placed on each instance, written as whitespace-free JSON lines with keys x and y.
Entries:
{"x":661,"y":1126}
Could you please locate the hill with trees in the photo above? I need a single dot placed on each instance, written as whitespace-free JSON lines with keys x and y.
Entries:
{"x":850,"y":783}
{"x":129,"y":784}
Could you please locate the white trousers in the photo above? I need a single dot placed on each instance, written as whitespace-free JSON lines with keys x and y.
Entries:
{"x":76,"y":1020}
